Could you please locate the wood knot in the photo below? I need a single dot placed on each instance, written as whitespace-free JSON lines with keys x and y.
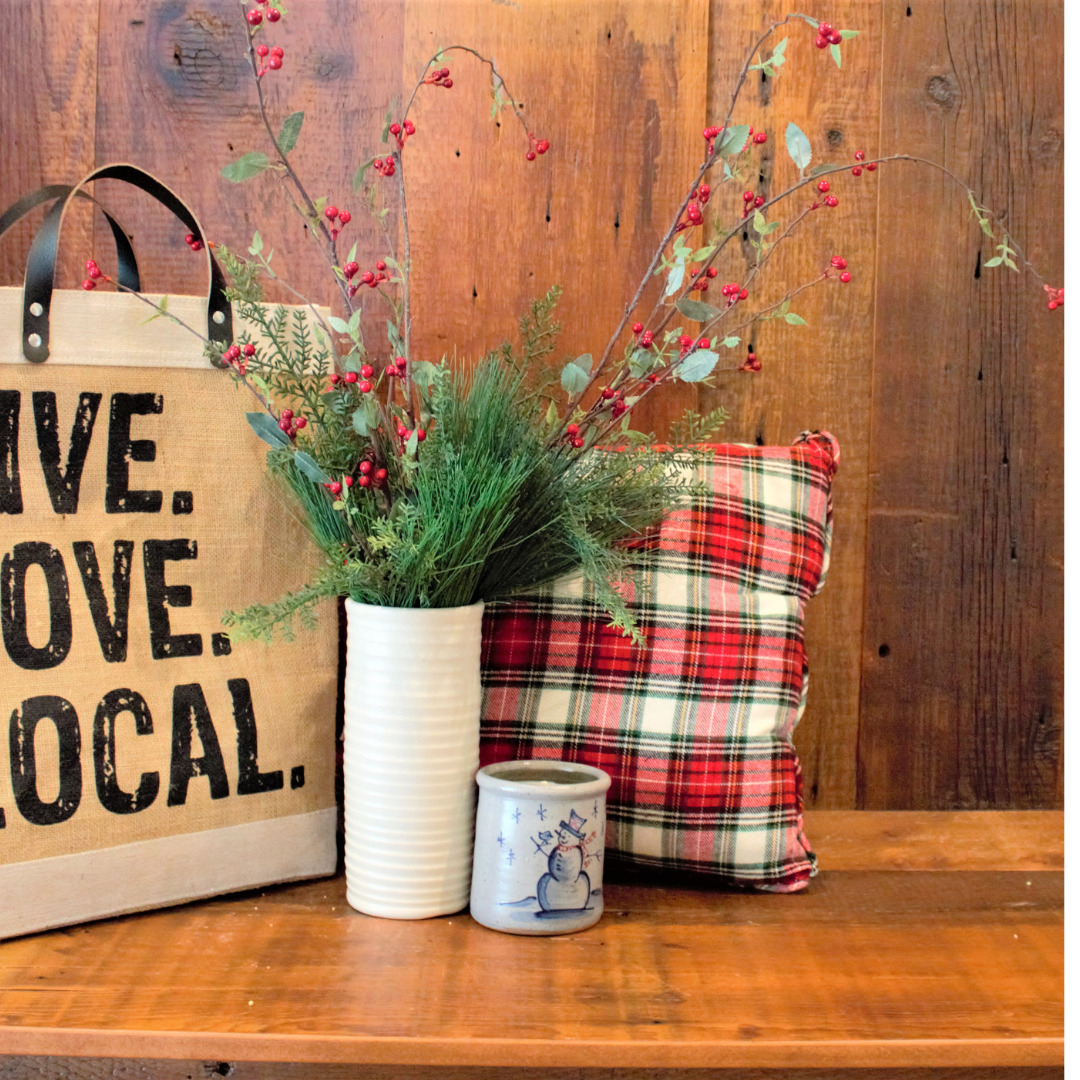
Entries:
{"x":943,"y":90}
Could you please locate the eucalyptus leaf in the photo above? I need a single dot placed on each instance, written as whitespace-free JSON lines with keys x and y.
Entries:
{"x":675,"y":279}
{"x":730,"y":341}
{"x":361,"y":421}
{"x":412,"y":443}
{"x":697,"y":366}
{"x":340,"y":325}
{"x":847,"y":35}
{"x":574,"y":379}
{"x":641,"y":362}
{"x":703,"y":253}
{"x":794,"y":320}
{"x":310,"y":467}
{"x":798,"y":146}
{"x":394,"y":338}
{"x":358,"y":176}
{"x":290,"y":132}
{"x":697,"y":310}
{"x":265,"y":426}
{"x":256,"y":244}
{"x":584,"y":361}
{"x":424,"y":372}
{"x":734,"y":139}
{"x":354,"y":324}
{"x":834,"y":51}
{"x":997,"y":260}
{"x":260,"y":383}
{"x":246,"y":167}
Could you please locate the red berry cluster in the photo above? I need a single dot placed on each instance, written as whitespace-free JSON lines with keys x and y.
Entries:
{"x":753,"y":137}
{"x":397,"y":368}
{"x":271,"y":57}
{"x":372,"y":278}
{"x":709,"y":135}
{"x":338,"y":220}
{"x":362,"y":381}
{"x":289,"y":423}
{"x":403,"y":433}
{"x":838,"y":262}
{"x":646,"y":338}
{"x":1055,"y":298}
{"x":384,"y":166}
{"x":698,"y":198}
{"x":401,"y":132}
{"x":439,"y":77}
{"x":93,"y":276}
{"x":573,"y":437}
{"x":536,"y":146}
{"x":618,"y":406}
{"x":752,"y":363}
{"x":857,"y":170}
{"x":701,"y":279}
{"x":193,"y":242}
{"x":734,"y":292}
{"x":827,"y":35}
{"x":751,"y":202}
{"x":255,"y":16}
{"x":240,"y":357}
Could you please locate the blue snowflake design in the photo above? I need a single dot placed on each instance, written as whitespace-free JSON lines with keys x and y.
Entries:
{"x":500,"y":839}
{"x":516,"y":815}
{"x":510,"y":857}
{"x":541,"y":813}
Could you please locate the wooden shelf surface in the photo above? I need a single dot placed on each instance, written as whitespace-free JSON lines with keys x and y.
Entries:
{"x":956,"y":962}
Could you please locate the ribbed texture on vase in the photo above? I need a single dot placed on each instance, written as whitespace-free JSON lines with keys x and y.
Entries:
{"x":412,"y":737}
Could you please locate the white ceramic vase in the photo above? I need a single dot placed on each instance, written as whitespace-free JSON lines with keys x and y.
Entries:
{"x":412,"y":749}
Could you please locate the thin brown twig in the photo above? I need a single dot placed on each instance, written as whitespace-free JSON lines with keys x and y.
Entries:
{"x":165,"y":313}
{"x":710,"y":160}
{"x":312,"y":215}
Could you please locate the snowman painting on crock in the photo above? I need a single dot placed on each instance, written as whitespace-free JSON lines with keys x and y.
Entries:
{"x":565,"y":886}
{"x":564,"y":889}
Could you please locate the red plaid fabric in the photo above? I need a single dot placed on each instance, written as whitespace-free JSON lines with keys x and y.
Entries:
{"x":695,"y":730}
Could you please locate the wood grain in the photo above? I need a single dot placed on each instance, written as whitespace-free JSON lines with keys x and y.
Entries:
{"x":73,"y":1068}
{"x":1020,"y":840}
{"x":962,"y":651}
{"x":48,"y":82}
{"x":936,"y":647}
{"x":619,"y":90}
{"x":817,"y":376}
{"x":176,"y":96}
{"x":872,"y":968}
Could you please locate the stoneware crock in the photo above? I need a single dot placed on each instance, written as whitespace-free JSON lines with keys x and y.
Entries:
{"x":539,"y":855}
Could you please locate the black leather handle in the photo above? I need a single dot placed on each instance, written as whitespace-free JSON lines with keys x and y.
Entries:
{"x":41,"y":265}
{"x":128,"y":267}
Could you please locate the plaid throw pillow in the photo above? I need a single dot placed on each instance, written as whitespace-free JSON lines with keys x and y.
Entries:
{"x":696,"y":729}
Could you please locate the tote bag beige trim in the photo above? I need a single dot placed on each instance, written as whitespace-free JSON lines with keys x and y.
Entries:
{"x":144,"y":758}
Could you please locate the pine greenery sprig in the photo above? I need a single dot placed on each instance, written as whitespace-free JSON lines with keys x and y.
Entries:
{"x":487,"y":510}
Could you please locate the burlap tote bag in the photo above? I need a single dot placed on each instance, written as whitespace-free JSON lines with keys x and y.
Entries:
{"x":144,"y":759}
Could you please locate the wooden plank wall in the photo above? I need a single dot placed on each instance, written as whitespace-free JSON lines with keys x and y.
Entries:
{"x":936,"y":647}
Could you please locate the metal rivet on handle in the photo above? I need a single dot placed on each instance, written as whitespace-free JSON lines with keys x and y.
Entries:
{"x":219,"y":317}
{"x":36,"y":309}
{"x":35,"y":340}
